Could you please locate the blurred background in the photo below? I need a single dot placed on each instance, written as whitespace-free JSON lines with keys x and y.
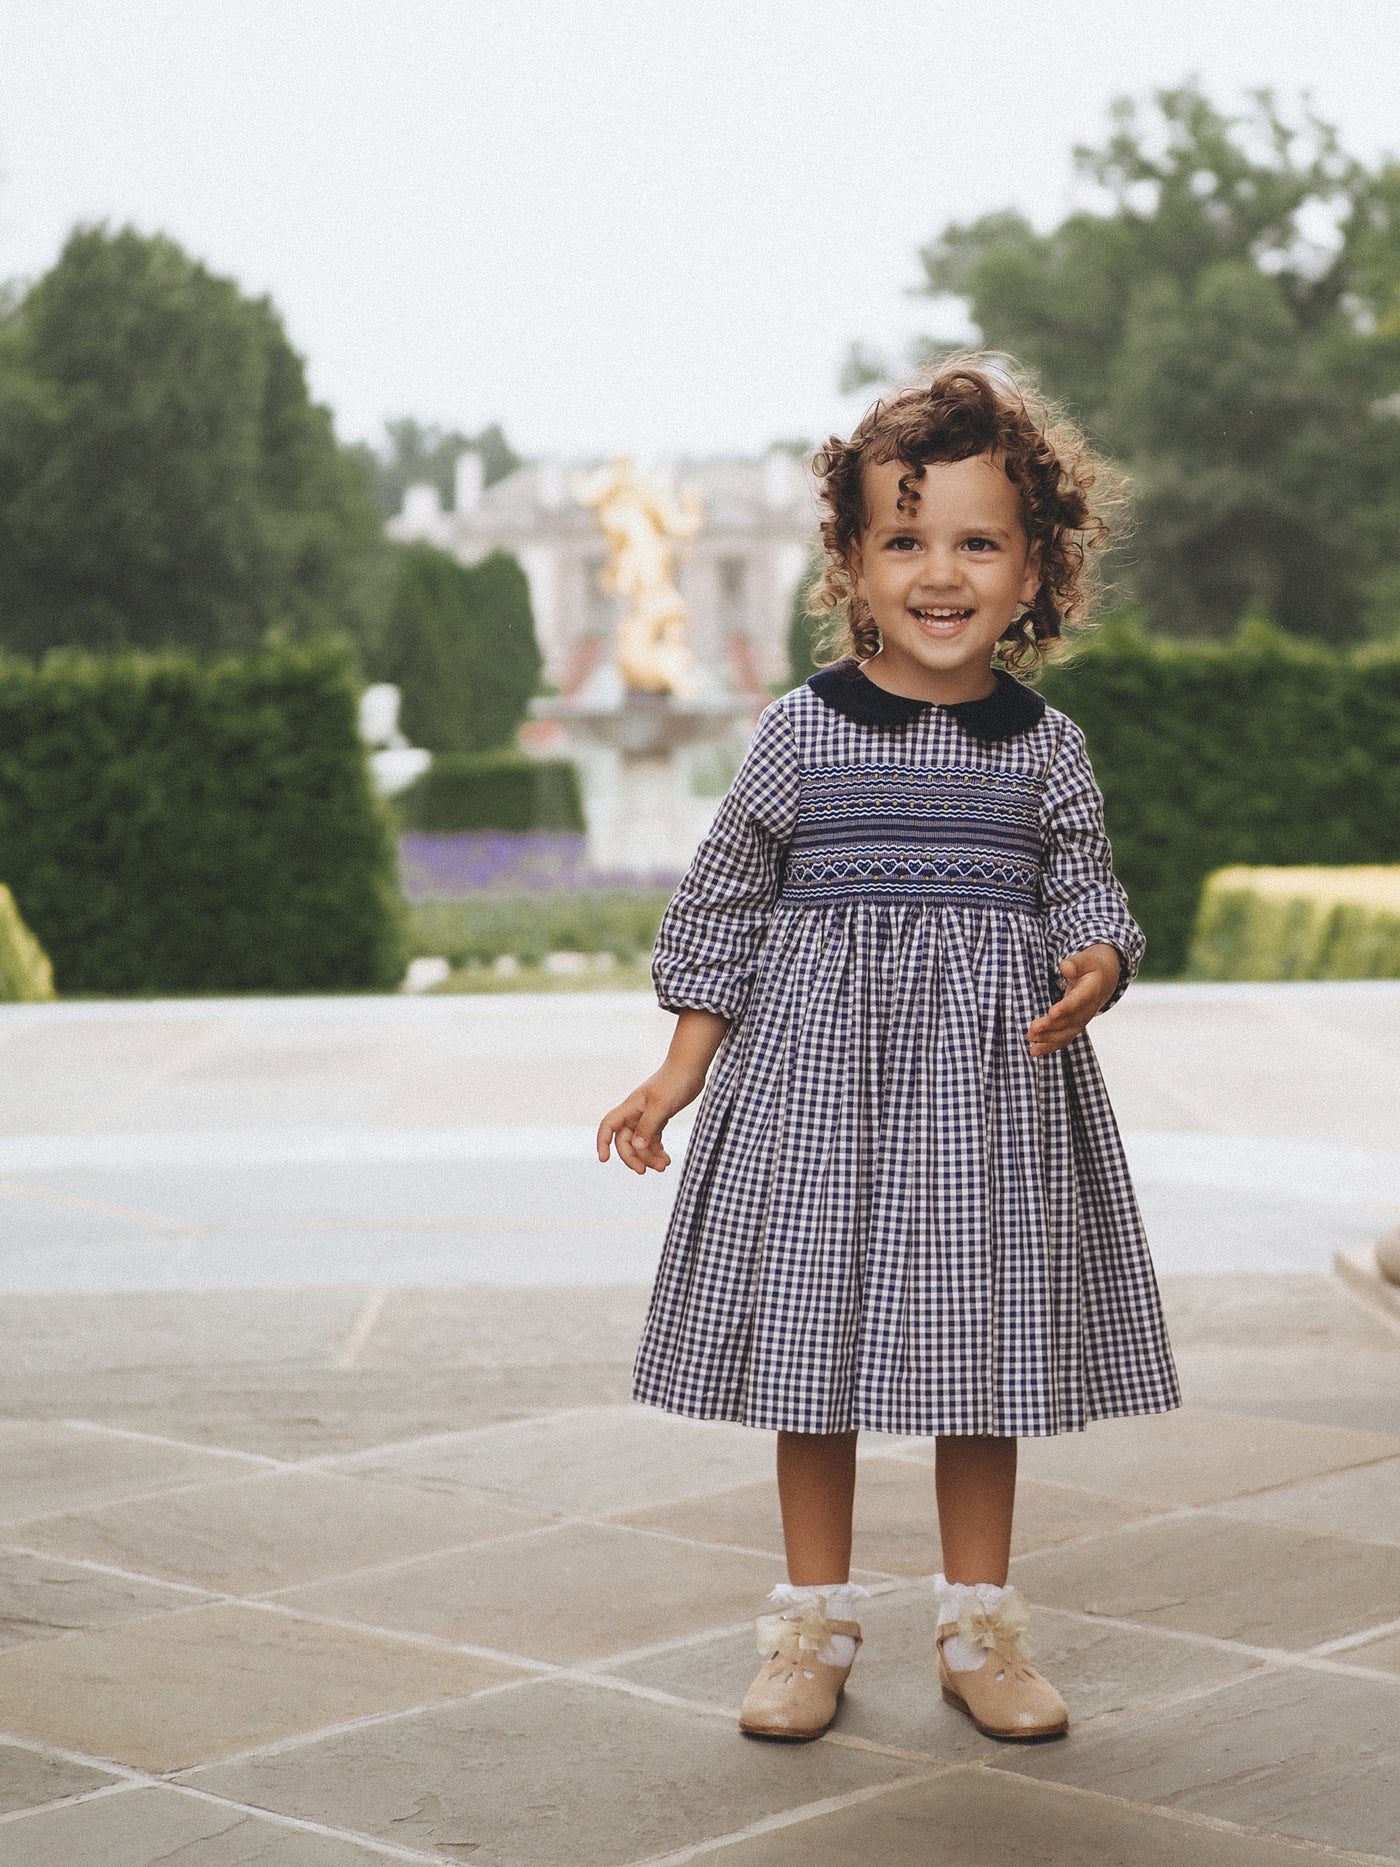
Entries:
{"x":317,"y":321}
{"x":406,"y":416}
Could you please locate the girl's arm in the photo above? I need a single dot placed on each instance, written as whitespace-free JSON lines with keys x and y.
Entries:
{"x":708,"y":945}
{"x":637,"y":1121}
{"x":707,"y":949}
{"x":1093,"y":938}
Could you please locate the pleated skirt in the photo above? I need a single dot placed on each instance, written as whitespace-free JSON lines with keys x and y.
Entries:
{"x":890,"y":1215}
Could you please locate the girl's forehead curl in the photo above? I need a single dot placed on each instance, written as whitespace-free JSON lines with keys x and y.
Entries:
{"x":905,"y":495}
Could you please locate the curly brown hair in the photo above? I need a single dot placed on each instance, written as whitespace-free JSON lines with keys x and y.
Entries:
{"x":973,"y":405}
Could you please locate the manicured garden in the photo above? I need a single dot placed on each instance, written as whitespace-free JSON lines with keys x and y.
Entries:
{"x":171,"y":825}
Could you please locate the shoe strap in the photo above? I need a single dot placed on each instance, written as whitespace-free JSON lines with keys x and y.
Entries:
{"x":809,"y":1632}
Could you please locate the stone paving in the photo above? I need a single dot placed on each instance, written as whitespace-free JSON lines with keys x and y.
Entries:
{"x":306,"y":1572}
{"x":405,"y":1577}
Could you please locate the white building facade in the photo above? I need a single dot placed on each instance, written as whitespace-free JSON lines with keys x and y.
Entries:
{"x":738,"y":578}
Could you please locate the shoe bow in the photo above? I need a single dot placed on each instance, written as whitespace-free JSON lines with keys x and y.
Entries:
{"x":790,"y":1636}
{"x":1005,"y":1630}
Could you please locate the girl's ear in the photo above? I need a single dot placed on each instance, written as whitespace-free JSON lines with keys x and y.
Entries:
{"x":1030,"y":583}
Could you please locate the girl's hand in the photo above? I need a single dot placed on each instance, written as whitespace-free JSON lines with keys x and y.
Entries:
{"x":636,"y":1124}
{"x":1092,"y":976}
{"x":637,"y":1121}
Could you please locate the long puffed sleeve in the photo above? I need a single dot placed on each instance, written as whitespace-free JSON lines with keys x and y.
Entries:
{"x":1083,"y":901}
{"x":710,"y":934}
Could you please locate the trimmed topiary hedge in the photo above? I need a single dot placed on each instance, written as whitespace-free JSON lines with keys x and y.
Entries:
{"x":494,"y":791}
{"x":459,"y":644}
{"x":26,"y":976}
{"x":173,"y":826}
{"x":1298,"y":924}
{"x":1265,"y":750}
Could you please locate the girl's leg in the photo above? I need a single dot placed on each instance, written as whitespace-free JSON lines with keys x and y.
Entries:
{"x":984,"y":1672}
{"x":798,"y":1688}
{"x":816,"y":1489}
{"x":975,"y":1478}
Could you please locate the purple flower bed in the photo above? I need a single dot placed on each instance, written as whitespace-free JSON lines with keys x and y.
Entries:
{"x":506,"y":862}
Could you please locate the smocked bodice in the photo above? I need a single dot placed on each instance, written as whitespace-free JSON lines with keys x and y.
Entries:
{"x":964,"y":835}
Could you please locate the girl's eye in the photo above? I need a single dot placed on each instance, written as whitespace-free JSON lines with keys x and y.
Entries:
{"x":904,"y":543}
{"x":981,"y":544}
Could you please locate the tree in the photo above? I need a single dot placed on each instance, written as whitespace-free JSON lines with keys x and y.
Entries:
{"x":460,"y":644}
{"x":1225,"y":319}
{"x":165,"y":478}
{"x":414,"y":452}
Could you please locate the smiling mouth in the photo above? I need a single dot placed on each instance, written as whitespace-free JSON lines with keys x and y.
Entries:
{"x":940,"y":618}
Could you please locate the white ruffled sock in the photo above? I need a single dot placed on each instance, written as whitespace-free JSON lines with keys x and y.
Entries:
{"x":961,"y":1655}
{"x":838,"y":1600}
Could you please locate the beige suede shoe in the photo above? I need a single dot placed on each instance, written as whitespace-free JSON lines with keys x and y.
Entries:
{"x":796,"y":1693}
{"x":1005,"y":1697}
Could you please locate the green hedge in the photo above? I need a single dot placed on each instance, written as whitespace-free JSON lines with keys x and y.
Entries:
{"x":494,"y":791}
{"x":1265,"y":750}
{"x":459,"y":643}
{"x":25,"y":973}
{"x":479,"y":928}
{"x":1298,"y":924}
{"x":173,"y":826}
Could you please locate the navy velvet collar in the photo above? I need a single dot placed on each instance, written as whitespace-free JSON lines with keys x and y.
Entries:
{"x":1011,"y":708}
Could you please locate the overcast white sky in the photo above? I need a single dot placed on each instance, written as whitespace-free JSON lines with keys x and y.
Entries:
{"x":606,"y":223}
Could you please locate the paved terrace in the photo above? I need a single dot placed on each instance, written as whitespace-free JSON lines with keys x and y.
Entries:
{"x":328,"y":1536}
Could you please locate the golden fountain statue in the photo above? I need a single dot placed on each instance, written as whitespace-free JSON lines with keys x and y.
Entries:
{"x":642,"y":525}
{"x":647,"y":715}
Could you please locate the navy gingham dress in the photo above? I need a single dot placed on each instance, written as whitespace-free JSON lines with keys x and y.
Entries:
{"x":891,"y":1216}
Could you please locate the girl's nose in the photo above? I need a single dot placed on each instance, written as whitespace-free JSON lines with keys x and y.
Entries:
{"x":938,"y":577}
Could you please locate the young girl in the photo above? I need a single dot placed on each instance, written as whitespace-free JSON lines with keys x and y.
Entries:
{"x":905,"y":1206}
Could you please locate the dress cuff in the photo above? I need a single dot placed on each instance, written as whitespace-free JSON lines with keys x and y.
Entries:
{"x":677,"y":1002}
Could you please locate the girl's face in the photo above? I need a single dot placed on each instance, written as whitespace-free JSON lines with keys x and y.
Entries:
{"x":944,"y":578}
